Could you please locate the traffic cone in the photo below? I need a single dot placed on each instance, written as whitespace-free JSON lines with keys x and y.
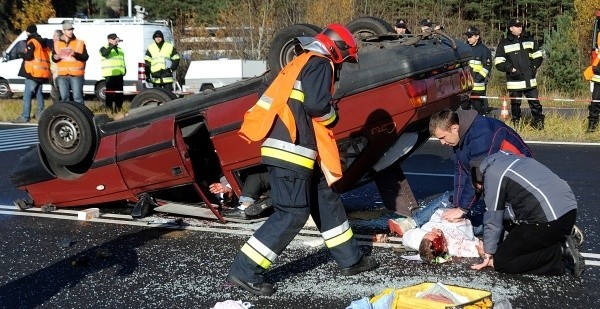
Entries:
{"x":504,"y":111}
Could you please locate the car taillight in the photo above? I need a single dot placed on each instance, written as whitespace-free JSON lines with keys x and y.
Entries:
{"x":141,"y":71}
{"x":466,"y":80}
{"x":417,"y":92}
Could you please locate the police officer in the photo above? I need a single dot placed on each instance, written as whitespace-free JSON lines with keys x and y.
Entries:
{"x":113,"y":70}
{"x":480,"y":65}
{"x":294,"y":114}
{"x":519,"y":56}
{"x":161,"y":60}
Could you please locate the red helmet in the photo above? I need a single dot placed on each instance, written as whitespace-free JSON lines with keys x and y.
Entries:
{"x":339,"y":43}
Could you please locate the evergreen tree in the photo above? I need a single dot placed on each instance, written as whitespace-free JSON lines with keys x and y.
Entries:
{"x":562,"y":72}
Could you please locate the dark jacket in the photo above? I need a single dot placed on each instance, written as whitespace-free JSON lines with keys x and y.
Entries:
{"x":523,"y":191}
{"x":27,"y":55}
{"x":523,"y":54}
{"x":481,"y":65}
{"x":316,"y":79}
{"x":479,"y":136}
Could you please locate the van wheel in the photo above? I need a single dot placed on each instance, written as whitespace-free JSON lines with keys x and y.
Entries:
{"x":66,"y":133}
{"x":364,"y":27}
{"x":152,"y":97}
{"x":5,"y":92}
{"x":207,"y":87}
{"x":100,"y":91}
{"x":282,"y":47}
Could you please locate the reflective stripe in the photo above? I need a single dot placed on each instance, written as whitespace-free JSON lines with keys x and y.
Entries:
{"x":337,"y":235}
{"x":298,"y":85}
{"x":255,"y":256}
{"x":262,"y":249}
{"x":265,"y":102}
{"x":484,"y":72}
{"x":596,"y":78}
{"x":287,"y":156}
{"x":537,"y":54}
{"x":512,"y":48}
{"x":289,"y":147}
{"x":475,"y":62}
{"x":327,"y":118}
{"x":479,"y":86}
{"x":528,"y":45}
{"x":499,"y":60}
{"x":297,"y":95}
{"x":521,"y":84}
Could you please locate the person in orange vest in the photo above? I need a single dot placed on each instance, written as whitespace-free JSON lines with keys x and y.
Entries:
{"x":36,"y":71}
{"x":594,"y":108}
{"x":294,"y":115}
{"x":70,"y":56}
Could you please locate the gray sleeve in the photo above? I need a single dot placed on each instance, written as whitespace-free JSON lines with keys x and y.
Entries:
{"x":492,"y":230}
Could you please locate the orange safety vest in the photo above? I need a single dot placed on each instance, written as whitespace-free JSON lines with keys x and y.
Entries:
{"x":39,"y":66}
{"x":69,"y":65}
{"x":259,"y":119}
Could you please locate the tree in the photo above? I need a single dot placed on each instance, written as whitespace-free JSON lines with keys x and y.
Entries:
{"x":562,"y":72}
{"x":31,"y":12}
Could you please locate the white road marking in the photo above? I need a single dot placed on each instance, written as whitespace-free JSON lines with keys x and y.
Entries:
{"x":19,"y":138}
{"x":229,"y":228}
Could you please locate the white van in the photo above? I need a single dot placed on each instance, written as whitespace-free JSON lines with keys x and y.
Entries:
{"x":136,"y":34}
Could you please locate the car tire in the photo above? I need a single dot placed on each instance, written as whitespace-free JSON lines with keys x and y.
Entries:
{"x":281,"y":51}
{"x":100,"y":91}
{"x":5,"y":92}
{"x":66,"y":133}
{"x":152,"y":96}
{"x":364,"y":27}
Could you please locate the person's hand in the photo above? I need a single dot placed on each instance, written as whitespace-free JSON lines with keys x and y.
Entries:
{"x":487,"y":261}
{"x":217,"y":188}
{"x":453,"y":213}
{"x":56,"y":57}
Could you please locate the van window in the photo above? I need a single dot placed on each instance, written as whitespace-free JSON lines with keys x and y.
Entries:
{"x":17,"y":51}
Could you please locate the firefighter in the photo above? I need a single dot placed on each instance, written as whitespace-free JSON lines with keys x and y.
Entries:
{"x":161,"y":61}
{"x":294,"y":115}
{"x":481,"y":66}
{"x":519,"y":56}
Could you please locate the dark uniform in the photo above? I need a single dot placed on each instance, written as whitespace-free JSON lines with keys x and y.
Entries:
{"x":523,"y":54}
{"x":481,"y":66}
{"x":297,"y":190}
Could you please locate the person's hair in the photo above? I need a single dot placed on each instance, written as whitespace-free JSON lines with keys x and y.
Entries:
{"x":442,"y":120}
{"x":425,"y":251}
{"x":58,"y":32}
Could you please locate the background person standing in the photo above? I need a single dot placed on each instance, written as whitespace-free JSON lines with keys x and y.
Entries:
{"x":594,"y":108}
{"x":519,"y":56}
{"x":161,"y":60}
{"x":113,"y":69}
{"x":36,"y":71}
{"x":70,"y":55}
{"x":480,"y":65}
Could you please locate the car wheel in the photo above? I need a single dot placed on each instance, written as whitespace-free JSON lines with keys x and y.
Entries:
{"x":281,"y":51}
{"x":364,"y":27}
{"x":100,"y":91}
{"x":66,"y":133}
{"x":152,"y":97}
{"x":5,"y":92}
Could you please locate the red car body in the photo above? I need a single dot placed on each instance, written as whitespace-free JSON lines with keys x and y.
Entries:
{"x":175,"y":150}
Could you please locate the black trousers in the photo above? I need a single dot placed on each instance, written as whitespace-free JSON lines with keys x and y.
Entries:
{"x":534,"y":248}
{"x":256,"y":185}
{"x":534,"y":105}
{"x":114,"y":92}
{"x":294,"y":198}
{"x":595,"y":106}
{"x":478,"y":104}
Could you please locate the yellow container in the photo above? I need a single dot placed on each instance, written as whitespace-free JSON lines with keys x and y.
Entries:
{"x":407,"y":298}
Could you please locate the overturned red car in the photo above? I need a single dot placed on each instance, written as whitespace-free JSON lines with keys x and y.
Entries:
{"x":173,"y":151}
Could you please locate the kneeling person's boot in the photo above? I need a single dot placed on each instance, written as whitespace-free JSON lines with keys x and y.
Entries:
{"x":592,"y":125}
